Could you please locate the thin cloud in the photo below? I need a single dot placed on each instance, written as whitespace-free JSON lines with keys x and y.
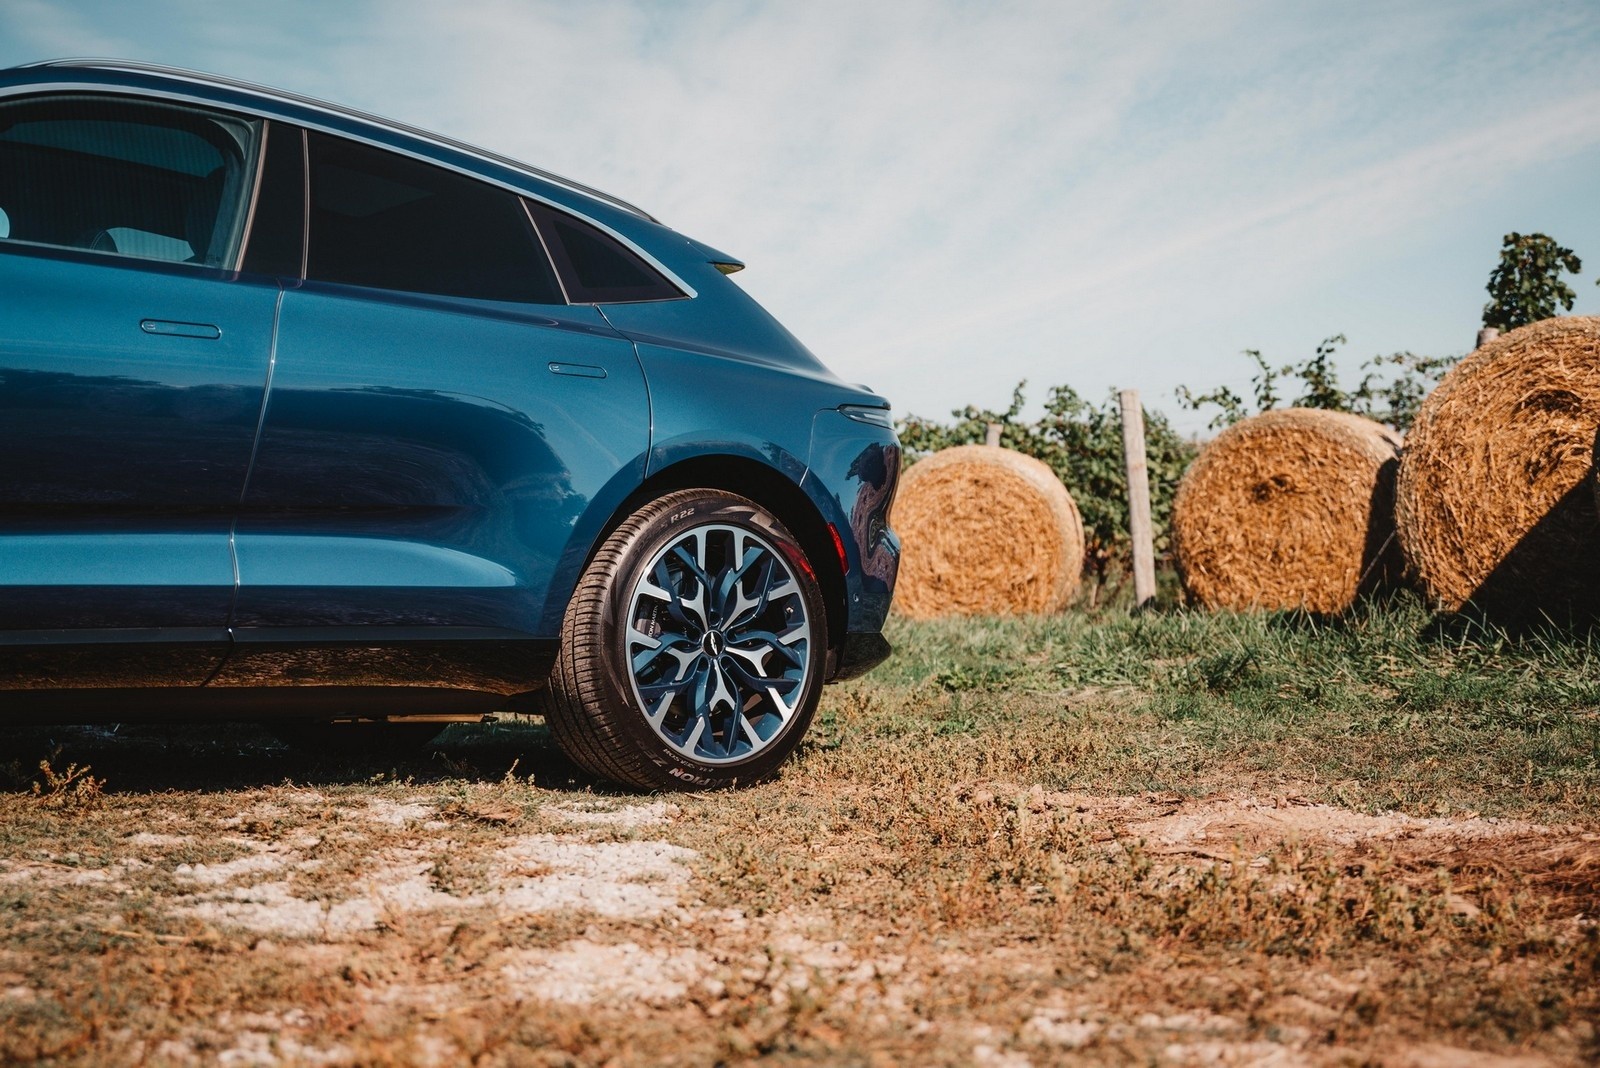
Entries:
{"x":41,"y":30}
{"x":1315,"y":221}
{"x":941,"y":198}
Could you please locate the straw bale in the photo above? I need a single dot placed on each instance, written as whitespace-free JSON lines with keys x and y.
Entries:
{"x":1494,"y":505}
{"x":1288,"y":509}
{"x":985,"y":531}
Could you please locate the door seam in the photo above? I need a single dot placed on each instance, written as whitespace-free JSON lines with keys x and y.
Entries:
{"x":244,"y":490}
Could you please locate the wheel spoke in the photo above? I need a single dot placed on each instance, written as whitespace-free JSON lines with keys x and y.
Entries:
{"x":747,"y":729}
{"x":756,"y":646}
{"x":783,"y":711}
{"x":650,"y":589}
{"x":667,"y":688}
{"x":756,"y":658}
{"x":733,"y":603}
{"x":769,"y":643}
{"x":693,"y":740}
{"x":684,"y":652}
{"x":702,"y":583}
{"x":657,"y":714}
{"x":760,"y":683}
{"x":721,"y":692}
{"x":687,"y":612}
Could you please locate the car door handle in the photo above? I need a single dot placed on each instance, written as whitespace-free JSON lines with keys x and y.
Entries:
{"x":582,"y":370}
{"x":169,"y":328}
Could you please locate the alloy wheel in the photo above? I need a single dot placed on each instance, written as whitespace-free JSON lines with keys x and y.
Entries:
{"x":718,"y":643}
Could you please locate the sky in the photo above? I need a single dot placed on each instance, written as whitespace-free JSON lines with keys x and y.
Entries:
{"x":942,"y":199}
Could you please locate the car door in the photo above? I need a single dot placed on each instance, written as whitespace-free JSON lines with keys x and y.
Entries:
{"x":133,"y":365}
{"x":438,"y":420}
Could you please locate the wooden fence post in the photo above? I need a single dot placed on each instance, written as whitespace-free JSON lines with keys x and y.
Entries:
{"x":1139,"y":528}
{"x":991,"y":434}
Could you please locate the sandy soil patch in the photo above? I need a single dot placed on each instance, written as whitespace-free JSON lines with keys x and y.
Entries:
{"x":523,"y":874}
{"x":612,"y":813}
{"x":580,"y":972}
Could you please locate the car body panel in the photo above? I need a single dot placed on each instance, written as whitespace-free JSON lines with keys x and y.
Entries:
{"x":107,"y":427}
{"x":430,"y":437}
{"x":399,"y":492}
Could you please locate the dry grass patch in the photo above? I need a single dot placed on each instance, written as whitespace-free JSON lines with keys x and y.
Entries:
{"x":1173,"y":840}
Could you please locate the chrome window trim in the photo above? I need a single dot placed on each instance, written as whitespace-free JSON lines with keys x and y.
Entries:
{"x":271,"y":95}
{"x":197,"y":77}
{"x":544,"y":246}
{"x":305,"y":202}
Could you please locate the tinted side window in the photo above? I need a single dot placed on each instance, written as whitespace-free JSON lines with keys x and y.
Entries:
{"x":380,"y":219}
{"x":147,"y":180}
{"x":594,"y":266}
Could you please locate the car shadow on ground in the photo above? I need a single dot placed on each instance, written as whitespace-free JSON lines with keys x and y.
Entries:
{"x":216,"y":757}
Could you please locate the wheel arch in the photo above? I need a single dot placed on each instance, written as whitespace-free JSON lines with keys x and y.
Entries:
{"x":770,"y":488}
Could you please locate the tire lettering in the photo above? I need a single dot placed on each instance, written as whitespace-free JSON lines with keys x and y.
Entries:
{"x":685,"y":514}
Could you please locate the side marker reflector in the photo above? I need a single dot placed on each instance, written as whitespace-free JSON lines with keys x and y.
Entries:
{"x":838,"y":547}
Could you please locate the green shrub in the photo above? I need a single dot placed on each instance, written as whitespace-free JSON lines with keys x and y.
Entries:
{"x":1390,"y":391}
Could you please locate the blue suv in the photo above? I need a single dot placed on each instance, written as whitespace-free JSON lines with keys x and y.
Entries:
{"x":312,"y":418}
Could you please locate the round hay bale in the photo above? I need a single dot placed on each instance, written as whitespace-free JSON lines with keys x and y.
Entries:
{"x":1494,"y":505}
{"x":985,"y":531}
{"x":1288,"y":509}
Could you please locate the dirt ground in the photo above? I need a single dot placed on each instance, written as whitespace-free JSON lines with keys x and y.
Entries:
{"x":380,"y":918}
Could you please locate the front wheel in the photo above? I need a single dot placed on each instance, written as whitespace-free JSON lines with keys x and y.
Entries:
{"x":693,"y":650}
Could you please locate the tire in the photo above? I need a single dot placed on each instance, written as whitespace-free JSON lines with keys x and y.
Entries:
{"x":692,"y":652}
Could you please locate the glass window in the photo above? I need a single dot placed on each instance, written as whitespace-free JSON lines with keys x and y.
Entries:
{"x":595,"y":267}
{"x":146,"y":180}
{"x":380,"y":219}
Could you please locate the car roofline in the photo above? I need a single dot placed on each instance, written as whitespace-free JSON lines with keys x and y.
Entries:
{"x":285,"y":96}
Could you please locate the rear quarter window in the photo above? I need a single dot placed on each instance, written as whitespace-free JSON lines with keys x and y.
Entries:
{"x":595,"y":267}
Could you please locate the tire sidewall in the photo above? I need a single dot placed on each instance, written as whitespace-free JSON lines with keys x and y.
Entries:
{"x":666,"y":521}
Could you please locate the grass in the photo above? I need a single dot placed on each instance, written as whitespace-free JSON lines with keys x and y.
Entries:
{"x":1379,"y":711}
{"x":1018,"y":841}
